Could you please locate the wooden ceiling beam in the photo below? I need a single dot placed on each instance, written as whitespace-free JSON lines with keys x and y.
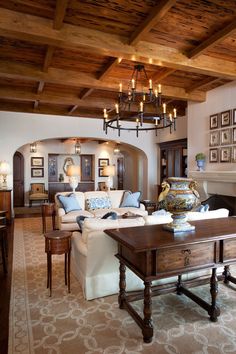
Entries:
{"x":48,"y":58}
{"x":60,"y":14}
{"x":202,"y":83}
{"x":213,"y":40}
{"x":39,"y":30}
{"x":85,"y":93}
{"x":70,"y":100}
{"x":72,"y":78}
{"x":162,"y":74}
{"x":156,"y":14}
{"x":40,"y":86}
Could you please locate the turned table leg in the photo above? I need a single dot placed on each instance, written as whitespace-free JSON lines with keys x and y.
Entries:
{"x":214,"y":311}
{"x":147,"y":311}
{"x":122,"y":284}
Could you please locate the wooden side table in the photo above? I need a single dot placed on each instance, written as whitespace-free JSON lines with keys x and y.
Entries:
{"x":48,"y":209}
{"x":58,"y":242}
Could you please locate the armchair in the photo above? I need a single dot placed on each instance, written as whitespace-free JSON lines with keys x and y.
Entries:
{"x":37,"y":193}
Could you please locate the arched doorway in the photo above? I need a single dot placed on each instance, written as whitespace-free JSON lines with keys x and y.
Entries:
{"x":18,"y":179}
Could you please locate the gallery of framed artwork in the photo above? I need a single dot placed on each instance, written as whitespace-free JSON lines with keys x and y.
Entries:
{"x":226,"y":136}
{"x":101,"y":173}
{"x":37,"y":161}
{"x":225,"y":154}
{"x":214,"y":121}
{"x":103,"y":162}
{"x":225,"y":118}
{"x":37,"y":172}
{"x":214,"y":138}
{"x":214,"y":155}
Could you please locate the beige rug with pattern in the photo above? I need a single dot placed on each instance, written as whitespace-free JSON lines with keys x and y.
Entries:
{"x":67,"y":324}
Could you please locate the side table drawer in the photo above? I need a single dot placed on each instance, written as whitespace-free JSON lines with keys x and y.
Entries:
{"x":185,"y":257}
{"x":229,"y":250}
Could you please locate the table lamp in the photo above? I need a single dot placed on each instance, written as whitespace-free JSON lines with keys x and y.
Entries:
{"x":4,"y":171}
{"x":73,"y":171}
{"x":109,"y":171}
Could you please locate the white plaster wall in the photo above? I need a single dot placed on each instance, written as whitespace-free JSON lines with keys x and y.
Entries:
{"x":218,"y":100}
{"x":18,"y":129}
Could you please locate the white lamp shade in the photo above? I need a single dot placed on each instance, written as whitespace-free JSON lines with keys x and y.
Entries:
{"x":109,"y":170}
{"x":4,"y":168}
{"x":73,"y":170}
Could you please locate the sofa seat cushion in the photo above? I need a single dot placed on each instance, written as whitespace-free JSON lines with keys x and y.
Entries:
{"x":98,"y":225}
{"x":99,"y":213}
{"x":72,"y":215}
{"x":137,"y":211}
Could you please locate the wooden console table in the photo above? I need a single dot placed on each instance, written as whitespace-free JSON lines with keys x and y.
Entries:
{"x":154,"y":253}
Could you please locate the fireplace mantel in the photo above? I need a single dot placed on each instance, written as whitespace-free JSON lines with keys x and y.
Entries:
{"x":214,"y":176}
{"x":215,"y":182}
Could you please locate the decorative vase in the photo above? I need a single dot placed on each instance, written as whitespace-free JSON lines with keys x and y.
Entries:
{"x":180,"y":199}
{"x":200,"y":165}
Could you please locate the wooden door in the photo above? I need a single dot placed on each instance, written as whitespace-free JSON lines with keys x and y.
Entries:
{"x":18,"y":179}
{"x":120,"y":173}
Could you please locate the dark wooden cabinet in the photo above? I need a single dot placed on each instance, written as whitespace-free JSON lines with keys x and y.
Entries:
{"x":5,"y":203}
{"x":173,"y":159}
{"x":56,"y":187}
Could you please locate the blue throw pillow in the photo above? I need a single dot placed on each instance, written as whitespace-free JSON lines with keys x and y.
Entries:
{"x":130,"y":200}
{"x":69,"y":202}
{"x":203,"y":208}
{"x":98,"y":203}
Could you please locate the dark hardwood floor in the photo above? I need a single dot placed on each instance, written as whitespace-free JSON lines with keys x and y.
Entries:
{"x":5,"y":286}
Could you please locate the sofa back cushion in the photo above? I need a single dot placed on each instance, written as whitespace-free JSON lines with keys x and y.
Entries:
{"x":79,"y":196}
{"x":116,"y":197}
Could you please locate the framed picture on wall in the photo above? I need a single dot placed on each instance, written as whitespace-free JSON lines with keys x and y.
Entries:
{"x":100,"y":172}
{"x":233,"y":154}
{"x":234,"y":135}
{"x":225,"y":154}
{"x":214,"y":155}
{"x":234,"y":116}
{"x":214,"y":121}
{"x":86,"y":162}
{"x":103,"y":162}
{"x":37,"y":172}
{"x":226,"y":136}
{"x":225,"y":118}
{"x":214,"y":138}
{"x":37,"y":161}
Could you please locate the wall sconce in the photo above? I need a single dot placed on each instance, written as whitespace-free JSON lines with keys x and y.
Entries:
{"x":77,"y":148}
{"x":4,"y":171}
{"x":109,"y":171}
{"x":33,"y":147}
{"x":73,"y":171}
{"x":116,"y":150}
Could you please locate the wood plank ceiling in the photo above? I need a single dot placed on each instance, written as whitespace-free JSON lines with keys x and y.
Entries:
{"x":68,"y":56}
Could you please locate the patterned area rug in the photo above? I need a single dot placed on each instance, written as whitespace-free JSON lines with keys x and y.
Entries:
{"x":66,"y":323}
{"x":27,"y":210}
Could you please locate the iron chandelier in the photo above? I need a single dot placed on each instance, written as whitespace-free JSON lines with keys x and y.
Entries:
{"x":145,"y":109}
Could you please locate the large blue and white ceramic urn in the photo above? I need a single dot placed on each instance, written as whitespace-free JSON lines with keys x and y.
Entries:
{"x":180,"y":199}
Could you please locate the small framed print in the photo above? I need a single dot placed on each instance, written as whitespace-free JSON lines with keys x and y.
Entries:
{"x":103,"y":162}
{"x":100,"y":172}
{"x":233,"y":154}
{"x":234,"y":135}
{"x":225,"y":118}
{"x":214,"y":121}
{"x":213,"y":155}
{"x":37,"y":172}
{"x":37,"y":161}
{"x":234,"y":116}
{"x":226,"y":136}
{"x":225,"y":154}
{"x":214,"y":138}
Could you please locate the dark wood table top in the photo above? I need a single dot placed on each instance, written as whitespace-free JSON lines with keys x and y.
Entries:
{"x":150,"y":237}
{"x":57,"y":234}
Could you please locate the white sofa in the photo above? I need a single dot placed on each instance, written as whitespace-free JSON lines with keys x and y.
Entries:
{"x":93,"y":260}
{"x":67,"y":221}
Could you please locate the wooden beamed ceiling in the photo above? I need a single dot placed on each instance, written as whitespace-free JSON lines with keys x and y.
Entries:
{"x":68,"y":57}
